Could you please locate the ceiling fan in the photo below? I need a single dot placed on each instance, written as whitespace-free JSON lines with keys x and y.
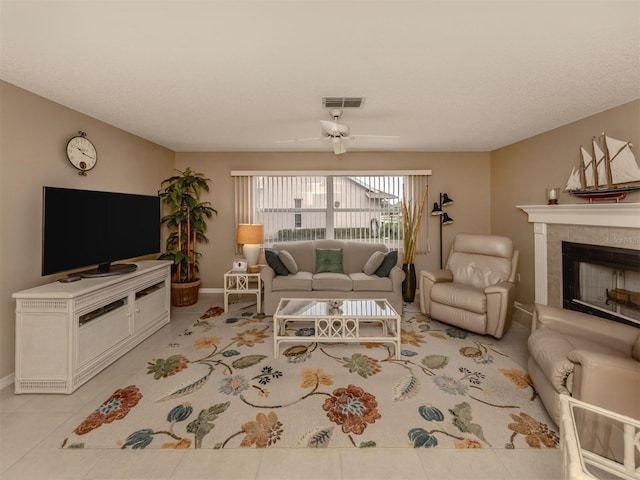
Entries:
{"x":337,"y":133}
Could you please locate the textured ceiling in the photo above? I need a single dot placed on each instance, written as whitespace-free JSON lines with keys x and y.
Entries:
{"x":241,"y":75}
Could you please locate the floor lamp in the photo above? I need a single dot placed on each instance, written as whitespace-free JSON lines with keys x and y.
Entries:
{"x":445,"y":219}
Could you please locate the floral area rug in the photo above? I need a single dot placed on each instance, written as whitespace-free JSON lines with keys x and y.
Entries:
{"x":218,"y":386}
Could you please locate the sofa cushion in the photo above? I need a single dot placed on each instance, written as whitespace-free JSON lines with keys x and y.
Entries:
{"x":287,"y":260}
{"x":374,"y":262}
{"x":370,"y":283}
{"x":301,"y":281}
{"x":461,"y":296}
{"x":303,"y":253}
{"x":390,"y":260}
{"x":356,"y":254}
{"x":273,"y":260}
{"x":330,"y":281}
{"x":329,"y":260}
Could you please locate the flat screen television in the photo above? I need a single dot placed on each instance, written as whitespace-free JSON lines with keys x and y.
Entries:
{"x":84,"y":228}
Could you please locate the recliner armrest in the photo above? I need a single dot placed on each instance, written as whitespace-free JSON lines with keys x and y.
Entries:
{"x":428,"y":278}
{"x":437,"y":276}
{"x":502,"y":287}
{"x":500,"y":298}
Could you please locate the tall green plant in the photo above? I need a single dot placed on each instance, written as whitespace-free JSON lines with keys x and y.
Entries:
{"x":186,"y":221}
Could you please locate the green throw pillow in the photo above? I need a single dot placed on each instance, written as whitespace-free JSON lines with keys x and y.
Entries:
{"x":390,"y":260}
{"x":274,"y":262}
{"x":329,"y":260}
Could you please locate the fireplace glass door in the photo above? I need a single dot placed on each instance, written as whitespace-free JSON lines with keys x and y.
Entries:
{"x":602,"y":281}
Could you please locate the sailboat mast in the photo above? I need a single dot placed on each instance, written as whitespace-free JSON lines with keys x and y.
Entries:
{"x":607,"y":159}
{"x":583,"y":169}
{"x":594,"y":163}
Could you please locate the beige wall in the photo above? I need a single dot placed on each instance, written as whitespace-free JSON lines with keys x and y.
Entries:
{"x":464,"y":176}
{"x":521,"y":172}
{"x":33,"y":137}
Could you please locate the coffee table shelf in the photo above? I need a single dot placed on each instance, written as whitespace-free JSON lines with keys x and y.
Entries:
{"x":328,"y":320}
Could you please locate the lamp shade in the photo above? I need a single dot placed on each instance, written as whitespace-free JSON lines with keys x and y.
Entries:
{"x":250,"y":233}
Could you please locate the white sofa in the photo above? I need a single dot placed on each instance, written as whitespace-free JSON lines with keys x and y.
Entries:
{"x":352,"y":283}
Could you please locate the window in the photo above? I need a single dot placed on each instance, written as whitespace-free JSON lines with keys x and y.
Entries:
{"x":362,"y":206}
{"x":297,"y":216}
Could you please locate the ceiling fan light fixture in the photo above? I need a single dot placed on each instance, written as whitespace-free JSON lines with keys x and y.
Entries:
{"x":339,"y":148}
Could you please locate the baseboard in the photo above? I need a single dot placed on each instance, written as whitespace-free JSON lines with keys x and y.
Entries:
{"x":523,"y":314}
{"x":211,"y":290}
{"x":7,"y":381}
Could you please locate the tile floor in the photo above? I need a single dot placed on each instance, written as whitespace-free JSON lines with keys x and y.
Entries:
{"x":32,"y":427}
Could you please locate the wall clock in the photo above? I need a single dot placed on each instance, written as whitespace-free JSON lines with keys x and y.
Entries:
{"x":81,"y":153}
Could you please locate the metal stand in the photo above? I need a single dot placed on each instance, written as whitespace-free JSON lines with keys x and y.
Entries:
{"x":445,"y":219}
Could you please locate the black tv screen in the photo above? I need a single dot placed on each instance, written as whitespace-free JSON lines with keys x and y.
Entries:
{"x":83,"y":228}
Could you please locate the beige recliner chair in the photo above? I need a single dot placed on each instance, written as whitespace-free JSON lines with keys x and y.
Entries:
{"x":590,"y":358}
{"x":476,"y":289}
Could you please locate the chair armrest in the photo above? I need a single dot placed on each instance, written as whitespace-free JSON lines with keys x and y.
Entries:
{"x":502,"y":288}
{"x":428,"y":278}
{"x":437,"y":276}
{"x":397,"y":277}
{"x":267,"y":274}
{"x":500,"y":300}
{"x":608,"y":381}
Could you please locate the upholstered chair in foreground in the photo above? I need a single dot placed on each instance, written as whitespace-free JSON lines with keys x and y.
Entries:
{"x":590,"y":358}
{"x":476,"y":289}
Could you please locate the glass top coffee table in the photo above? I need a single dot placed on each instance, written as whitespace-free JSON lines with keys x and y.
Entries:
{"x":327,"y":320}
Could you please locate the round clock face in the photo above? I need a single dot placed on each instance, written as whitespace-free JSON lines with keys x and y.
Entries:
{"x":81,"y":153}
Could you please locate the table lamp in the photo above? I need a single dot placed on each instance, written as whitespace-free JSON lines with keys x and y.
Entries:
{"x":250,"y":236}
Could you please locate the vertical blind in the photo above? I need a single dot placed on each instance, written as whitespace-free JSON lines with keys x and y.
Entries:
{"x":358,"y":206}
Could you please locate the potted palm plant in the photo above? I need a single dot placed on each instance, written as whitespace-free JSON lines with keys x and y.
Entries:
{"x":187,"y":223}
{"x":411,"y":218}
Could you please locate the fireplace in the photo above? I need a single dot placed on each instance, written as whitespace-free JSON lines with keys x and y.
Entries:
{"x":602,"y":281}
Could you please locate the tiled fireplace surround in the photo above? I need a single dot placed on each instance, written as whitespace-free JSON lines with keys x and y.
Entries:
{"x":610,"y":224}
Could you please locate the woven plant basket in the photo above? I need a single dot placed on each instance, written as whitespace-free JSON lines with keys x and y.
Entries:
{"x":184,"y":294}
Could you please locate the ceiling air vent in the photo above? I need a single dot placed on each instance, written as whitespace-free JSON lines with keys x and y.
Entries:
{"x":342,"y":102}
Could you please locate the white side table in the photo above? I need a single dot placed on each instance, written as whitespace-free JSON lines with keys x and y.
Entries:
{"x":242,"y":283}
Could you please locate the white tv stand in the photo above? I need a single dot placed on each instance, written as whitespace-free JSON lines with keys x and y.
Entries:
{"x":68,"y":332}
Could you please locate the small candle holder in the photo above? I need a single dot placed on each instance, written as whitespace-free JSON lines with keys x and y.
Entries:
{"x":552,"y":195}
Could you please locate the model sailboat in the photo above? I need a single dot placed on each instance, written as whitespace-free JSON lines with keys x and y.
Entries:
{"x":607,"y":174}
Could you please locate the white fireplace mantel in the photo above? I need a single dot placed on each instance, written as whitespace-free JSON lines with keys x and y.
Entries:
{"x":602,"y":215}
{"x":621,"y":215}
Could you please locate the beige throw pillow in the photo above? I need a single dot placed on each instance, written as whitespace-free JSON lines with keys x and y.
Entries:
{"x":287,"y":260}
{"x":374,"y":262}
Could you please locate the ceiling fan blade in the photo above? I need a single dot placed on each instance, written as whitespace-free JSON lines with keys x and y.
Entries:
{"x":293,"y":140}
{"x":376,"y":138}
